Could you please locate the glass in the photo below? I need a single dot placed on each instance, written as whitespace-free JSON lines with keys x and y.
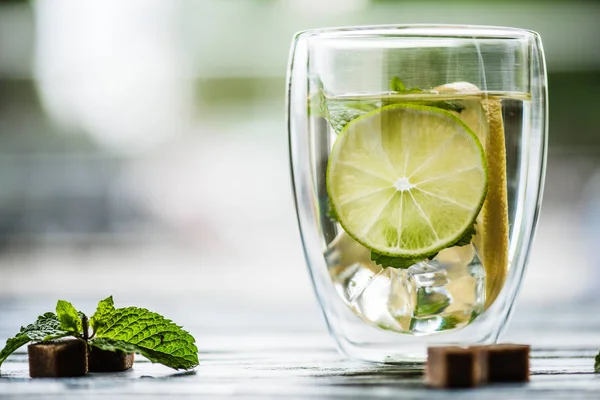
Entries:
{"x":418,"y":157}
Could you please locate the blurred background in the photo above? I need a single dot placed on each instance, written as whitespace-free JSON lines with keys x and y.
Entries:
{"x":143,"y":146}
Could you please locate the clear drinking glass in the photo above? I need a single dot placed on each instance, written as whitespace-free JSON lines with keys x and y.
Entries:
{"x":418,"y":159}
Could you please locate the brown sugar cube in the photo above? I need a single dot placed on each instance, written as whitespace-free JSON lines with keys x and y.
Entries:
{"x":108,"y":361}
{"x":451,"y":367}
{"x":503,"y":362}
{"x":59,"y":358}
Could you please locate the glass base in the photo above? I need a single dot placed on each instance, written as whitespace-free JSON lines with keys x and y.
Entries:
{"x":365,"y":342}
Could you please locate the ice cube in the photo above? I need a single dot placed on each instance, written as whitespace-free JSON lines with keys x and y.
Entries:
{"x":389,"y":284}
{"x":428,"y":274}
{"x":440,"y":294}
{"x":350,"y":266}
{"x":466,"y":279}
{"x":402,"y":299}
{"x":354,"y":280}
{"x":433,"y":295}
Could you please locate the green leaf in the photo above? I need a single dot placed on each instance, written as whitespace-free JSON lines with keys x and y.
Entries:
{"x":47,"y":327}
{"x":597,"y":364}
{"x":429,"y":303}
{"x":340,"y":115}
{"x":450,"y":105}
{"x":68,"y":316}
{"x":394,"y":262}
{"x":449,"y":322}
{"x":467,"y":237}
{"x":397,"y":85}
{"x":138,"y":330}
{"x":105,"y":307}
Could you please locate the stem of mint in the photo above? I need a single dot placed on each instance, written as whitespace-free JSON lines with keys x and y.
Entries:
{"x":84,"y":325}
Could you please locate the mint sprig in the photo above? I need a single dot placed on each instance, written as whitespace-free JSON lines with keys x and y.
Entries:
{"x":129,"y":329}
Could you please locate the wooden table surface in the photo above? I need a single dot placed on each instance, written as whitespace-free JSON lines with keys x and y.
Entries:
{"x":262,"y":352}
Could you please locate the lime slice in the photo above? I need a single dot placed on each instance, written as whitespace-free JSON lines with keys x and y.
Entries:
{"x":484,"y":117}
{"x":407,"y":180}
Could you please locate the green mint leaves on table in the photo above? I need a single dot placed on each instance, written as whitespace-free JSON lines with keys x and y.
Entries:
{"x":129,"y":329}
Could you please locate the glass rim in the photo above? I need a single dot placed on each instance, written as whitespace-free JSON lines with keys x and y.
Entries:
{"x":420,"y":30}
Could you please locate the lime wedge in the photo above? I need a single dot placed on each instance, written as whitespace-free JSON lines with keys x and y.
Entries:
{"x":407,"y":180}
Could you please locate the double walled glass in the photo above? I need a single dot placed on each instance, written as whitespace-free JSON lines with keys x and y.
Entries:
{"x":398,"y":135}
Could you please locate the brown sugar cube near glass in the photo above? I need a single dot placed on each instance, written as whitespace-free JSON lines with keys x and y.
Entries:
{"x":503,"y":362}
{"x":449,"y":367}
{"x":108,"y":361}
{"x":59,"y":358}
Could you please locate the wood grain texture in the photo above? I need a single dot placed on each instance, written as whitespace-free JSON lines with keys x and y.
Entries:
{"x":271,"y":357}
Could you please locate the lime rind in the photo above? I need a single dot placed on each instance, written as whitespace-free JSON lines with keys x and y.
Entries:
{"x":441,"y":243}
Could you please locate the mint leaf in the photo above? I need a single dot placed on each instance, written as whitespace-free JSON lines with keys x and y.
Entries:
{"x":449,"y":322}
{"x":429,"y":303}
{"x":339,"y":115}
{"x":138,"y":330}
{"x":467,"y":237}
{"x":47,"y":327}
{"x":597,"y":364}
{"x":68,"y":316}
{"x":397,"y":85}
{"x":449,"y":105}
{"x":396,"y":262}
{"x":105,"y":307}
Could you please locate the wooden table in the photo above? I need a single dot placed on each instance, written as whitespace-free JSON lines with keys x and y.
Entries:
{"x":250,"y":351}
